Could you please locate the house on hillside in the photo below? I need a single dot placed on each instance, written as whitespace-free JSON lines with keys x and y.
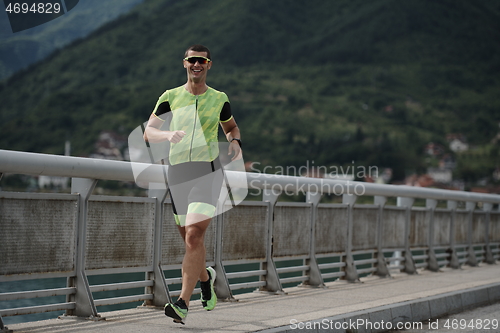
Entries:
{"x":443,"y":174}
{"x":496,"y":174}
{"x":434,"y":149}
{"x":447,"y":162}
{"x":458,"y":146}
{"x":419,"y":181}
{"x":457,"y":142}
{"x":440,"y":175}
{"x":109,"y":146}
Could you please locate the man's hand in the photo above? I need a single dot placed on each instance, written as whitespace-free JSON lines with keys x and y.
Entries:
{"x":175,"y":136}
{"x":234,"y":148}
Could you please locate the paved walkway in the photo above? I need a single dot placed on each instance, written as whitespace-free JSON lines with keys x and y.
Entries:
{"x":478,"y":320}
{"x":374,"y":303}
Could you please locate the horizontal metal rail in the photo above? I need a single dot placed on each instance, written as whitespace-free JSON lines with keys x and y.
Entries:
{"x":365,"y":261}
{"x":108,"y":271}
{"x":391,"y":259}
{"x":294,"y":279}
{"x":68,"y":166}
{"x":333,"y":275}
{"x":245,"y":274}
{"x":38,"y":309}
{"x":385,"y":251}
{"x":363,"y":252}
{"x":36,"y":293}
{"x":332,"y":265}
{"x":178,"y":292}
{"x":330,"y":255}
{"x":247,"y":285}
{"x":173,"y":280}
{"x":121,"y":286}
{"x":123,"y":299}
{"x":292,"y":269}
{"x":366,"y":270}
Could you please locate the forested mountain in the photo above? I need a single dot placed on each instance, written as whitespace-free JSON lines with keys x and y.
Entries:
{"x":334,"y":82}
{"x":20,"y":49}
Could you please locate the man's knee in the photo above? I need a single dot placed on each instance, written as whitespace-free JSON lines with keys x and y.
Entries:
{"x":194,"y":237}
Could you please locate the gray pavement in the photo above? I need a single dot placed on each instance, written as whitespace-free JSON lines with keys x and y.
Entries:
{"x":374,"y":303}
{"x":478,"y":320}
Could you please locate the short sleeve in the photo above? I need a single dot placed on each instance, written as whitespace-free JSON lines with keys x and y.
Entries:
{"x":163,"y":105}
{"x":162,"y":109}
{"x":225,"y":114}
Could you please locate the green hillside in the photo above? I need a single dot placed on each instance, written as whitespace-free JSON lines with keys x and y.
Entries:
{"x":326,"y":81}
{"x":20,"y":49}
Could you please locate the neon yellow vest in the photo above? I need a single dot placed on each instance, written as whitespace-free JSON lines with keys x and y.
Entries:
{"x":198,"y":116}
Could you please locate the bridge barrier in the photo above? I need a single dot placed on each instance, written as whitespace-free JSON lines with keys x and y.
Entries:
{"x":265,"y":245}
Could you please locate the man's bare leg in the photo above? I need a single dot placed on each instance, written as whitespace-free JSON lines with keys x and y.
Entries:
{"x":204,"y":275}
{"x":193,"y":265}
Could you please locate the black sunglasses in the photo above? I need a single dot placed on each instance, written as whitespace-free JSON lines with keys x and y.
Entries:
{"x":194,"y":59}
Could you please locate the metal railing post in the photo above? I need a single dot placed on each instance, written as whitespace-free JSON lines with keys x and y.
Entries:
{"x":454,"y":262}
{"x":315,"y":278}
{"x":84,"y":301}
{"x":3,"y":328}
{"x":221,"y":282}
{"x":351,"y":273}
{"x":382,"y":269}
{"x":407,"y":203}
{"x":471,"y":257}
{"x":161,"y":296}
{"x":431,"y":205}
{"x":273,"y":283}
{"x":489,"y":258}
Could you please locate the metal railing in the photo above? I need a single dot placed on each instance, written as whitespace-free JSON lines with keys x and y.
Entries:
{"x":263,"y":244}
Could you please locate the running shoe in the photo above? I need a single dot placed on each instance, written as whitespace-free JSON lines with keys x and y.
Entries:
{"x":208,"y":296}
{"x":178,"y":311}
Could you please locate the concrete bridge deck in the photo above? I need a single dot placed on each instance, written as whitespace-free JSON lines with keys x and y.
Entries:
{"x":375,"y":301}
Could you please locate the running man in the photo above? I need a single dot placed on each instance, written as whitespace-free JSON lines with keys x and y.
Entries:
{"x":195,"y":174}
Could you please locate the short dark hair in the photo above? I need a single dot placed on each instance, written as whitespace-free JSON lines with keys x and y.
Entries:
{"x":198,"y":48}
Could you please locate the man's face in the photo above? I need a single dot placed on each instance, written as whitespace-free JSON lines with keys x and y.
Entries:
{"x":197,"y":72}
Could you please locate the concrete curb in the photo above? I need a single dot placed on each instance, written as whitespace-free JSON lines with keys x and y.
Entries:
{"x":383,"y":318}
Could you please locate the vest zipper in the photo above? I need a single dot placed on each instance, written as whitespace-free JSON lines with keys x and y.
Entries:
{"x":194,"y":128}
